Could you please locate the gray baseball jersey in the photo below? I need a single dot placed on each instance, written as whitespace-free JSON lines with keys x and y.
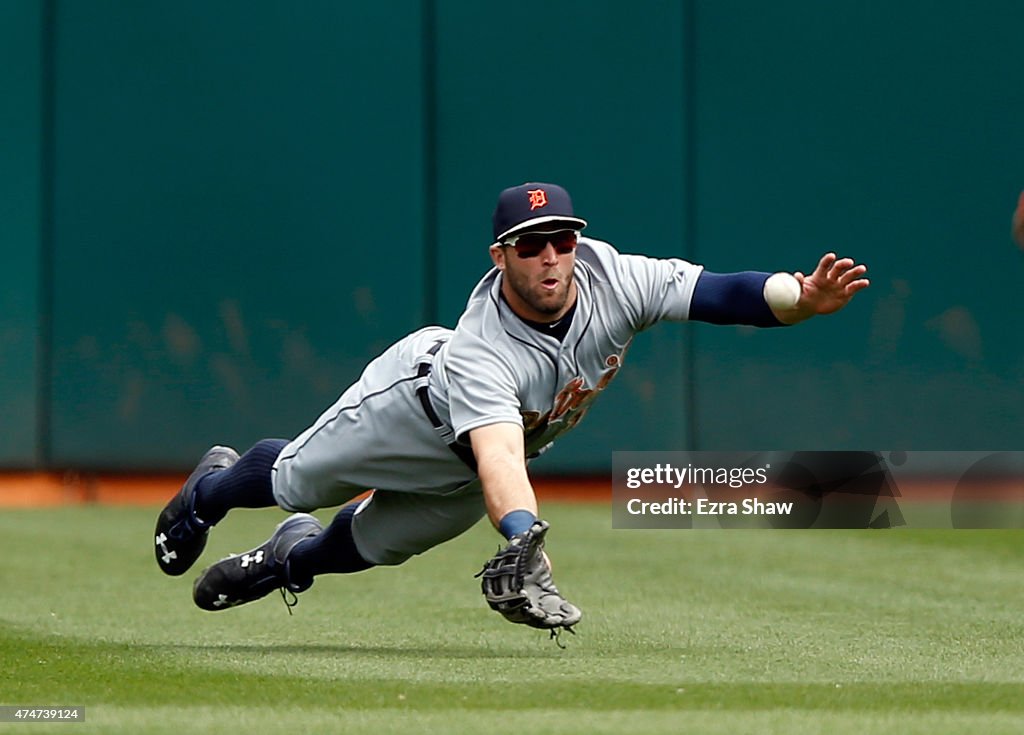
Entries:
{"x":491,"y":368}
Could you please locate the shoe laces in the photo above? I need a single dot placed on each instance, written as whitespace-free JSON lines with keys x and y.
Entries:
{"x":291,"y":602}
{"x":190,"y":525}
{"x":186,"y":528}
{"x":289,"y":590}
{"x":556,"y":635}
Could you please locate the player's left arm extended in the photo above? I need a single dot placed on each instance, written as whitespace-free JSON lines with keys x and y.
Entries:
{"x":738,"y":298}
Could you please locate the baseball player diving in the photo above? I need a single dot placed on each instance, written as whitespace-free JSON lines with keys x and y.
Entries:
{"x":442,"y":425}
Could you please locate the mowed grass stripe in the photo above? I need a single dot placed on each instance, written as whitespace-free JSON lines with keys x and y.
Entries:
{"x":121,"y":674}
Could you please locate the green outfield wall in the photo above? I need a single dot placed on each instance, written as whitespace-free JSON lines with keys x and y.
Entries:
{"x":216,"y":213}
{"x":22,"y":307}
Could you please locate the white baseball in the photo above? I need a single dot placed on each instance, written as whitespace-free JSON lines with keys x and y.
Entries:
{"x":782,"y":291}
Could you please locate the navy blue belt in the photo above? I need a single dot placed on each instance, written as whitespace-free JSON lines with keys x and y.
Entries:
{"x":459,"y":450}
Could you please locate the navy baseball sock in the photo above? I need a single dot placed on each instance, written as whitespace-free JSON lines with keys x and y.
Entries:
{"x":332,"y":551}
{"x":246,"y":484}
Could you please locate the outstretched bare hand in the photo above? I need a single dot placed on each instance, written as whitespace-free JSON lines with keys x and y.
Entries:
{"x":827,"y":289}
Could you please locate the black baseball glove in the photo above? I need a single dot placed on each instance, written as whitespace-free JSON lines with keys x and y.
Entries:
{"x":517,"y":583}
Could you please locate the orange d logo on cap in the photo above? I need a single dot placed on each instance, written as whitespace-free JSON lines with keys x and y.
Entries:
{"x":533,"y":204}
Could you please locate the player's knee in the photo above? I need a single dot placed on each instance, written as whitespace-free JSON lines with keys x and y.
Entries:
{"x":288,"y":490}
{"x":302,"y":486}
{"x":385,"y":557}
{"x":376,"y":548}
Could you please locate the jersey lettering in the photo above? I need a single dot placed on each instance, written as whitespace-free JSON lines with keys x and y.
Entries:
{"x":572,"y":401}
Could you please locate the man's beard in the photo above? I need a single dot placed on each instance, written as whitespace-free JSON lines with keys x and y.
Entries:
{"x":543,"y":302}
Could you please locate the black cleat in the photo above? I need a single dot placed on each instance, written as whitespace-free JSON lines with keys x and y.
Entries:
{"x":256,"y":573}
{"x":180,"y":536}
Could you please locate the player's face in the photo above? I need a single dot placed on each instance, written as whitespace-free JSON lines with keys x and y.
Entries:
{"x":538,"y":270}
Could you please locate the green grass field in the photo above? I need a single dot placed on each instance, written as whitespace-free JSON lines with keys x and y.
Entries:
{"x":683,"y":631}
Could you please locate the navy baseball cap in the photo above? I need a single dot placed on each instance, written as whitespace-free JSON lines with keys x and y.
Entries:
{"x":523,"y":207}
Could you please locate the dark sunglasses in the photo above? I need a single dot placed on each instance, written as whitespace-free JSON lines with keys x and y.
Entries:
{"x":532,"y":244}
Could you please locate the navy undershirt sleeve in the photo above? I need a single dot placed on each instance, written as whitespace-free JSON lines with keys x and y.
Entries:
{"x":732,"y":298}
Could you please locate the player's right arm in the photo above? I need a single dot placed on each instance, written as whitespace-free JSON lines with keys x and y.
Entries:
{"x":517,"y":580}
{"x":501,"y":466}
{"x":484,"y":405}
